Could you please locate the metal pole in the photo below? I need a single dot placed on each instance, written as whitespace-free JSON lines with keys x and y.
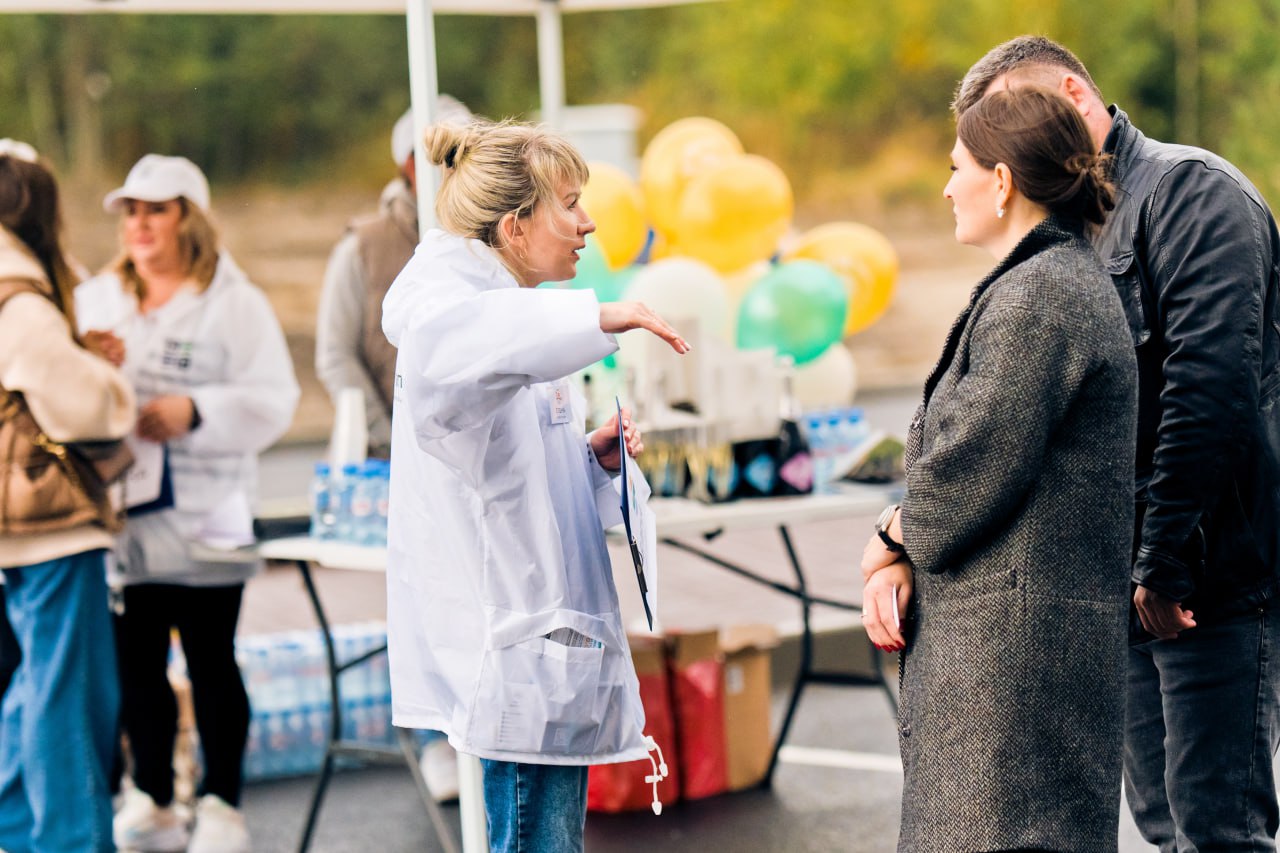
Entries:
{"x":424,"y":93}
{"x":551,"y":63}
{"x":1186,"y":36}
{"x":424,"y":90}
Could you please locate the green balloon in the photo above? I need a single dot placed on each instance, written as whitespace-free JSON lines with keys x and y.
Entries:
{"x":798,"y":308}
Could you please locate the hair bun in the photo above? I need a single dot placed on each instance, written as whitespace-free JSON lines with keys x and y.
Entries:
{"x":446,"y":144}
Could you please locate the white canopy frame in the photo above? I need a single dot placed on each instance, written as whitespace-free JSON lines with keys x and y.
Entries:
{"x":424,"y":91}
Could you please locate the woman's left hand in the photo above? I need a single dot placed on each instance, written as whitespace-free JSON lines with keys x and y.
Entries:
{"x":165,"y":418}
{"x":604,"y":441}
{"x":884,"y":603}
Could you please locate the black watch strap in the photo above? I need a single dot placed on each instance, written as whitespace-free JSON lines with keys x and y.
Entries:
{"x":888,"y":541}
{"x":882,"y":529}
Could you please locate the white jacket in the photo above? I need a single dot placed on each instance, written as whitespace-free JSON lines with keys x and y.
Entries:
{"x":496,"y":536}
{"x":222,"y":347}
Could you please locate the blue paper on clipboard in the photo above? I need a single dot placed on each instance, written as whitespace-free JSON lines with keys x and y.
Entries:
{"x":637,"y":521}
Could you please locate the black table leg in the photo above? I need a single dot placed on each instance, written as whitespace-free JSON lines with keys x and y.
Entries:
{"x":336,"y":746}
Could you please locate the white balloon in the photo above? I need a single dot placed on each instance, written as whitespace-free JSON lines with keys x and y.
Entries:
{"x":831,"y":379}
{"x":680,"y":288}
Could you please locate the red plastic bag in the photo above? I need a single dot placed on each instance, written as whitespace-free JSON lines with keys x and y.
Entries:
{"x":697,"y":688}
{"x":622,"y":787}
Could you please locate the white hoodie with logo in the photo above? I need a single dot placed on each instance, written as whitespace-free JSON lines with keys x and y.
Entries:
{"x":223,"y":348}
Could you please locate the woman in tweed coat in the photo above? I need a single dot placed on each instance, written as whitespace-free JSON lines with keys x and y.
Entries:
{"x":1006,"y":566}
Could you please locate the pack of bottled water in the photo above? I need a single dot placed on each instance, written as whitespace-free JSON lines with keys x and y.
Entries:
{"x":349,"y":504}
{"x":836,"y":437}
{"x":285,"y":674}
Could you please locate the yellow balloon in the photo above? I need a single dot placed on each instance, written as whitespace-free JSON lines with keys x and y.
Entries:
{"x":681,"y":150}
{"x":863,"y":257}
{"x":735,"y":213}
{"x":613,"y":200}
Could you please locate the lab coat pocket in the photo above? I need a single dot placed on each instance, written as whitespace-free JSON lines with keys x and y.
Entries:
{"x":539,"y":696}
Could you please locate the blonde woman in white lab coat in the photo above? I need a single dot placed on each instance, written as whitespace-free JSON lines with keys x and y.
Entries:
{"x":208,"y":360}
{"x":502,"y":615}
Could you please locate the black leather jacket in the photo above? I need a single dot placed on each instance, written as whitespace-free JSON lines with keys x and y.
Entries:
{"x":1194,"y":252}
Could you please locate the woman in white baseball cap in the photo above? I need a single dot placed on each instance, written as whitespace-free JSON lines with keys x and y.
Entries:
{"x":215,"y":384}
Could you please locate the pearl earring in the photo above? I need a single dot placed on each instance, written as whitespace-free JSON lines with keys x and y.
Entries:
{"x":999,"y":213}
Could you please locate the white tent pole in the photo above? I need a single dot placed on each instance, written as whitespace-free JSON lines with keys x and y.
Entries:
{"x":424,"y":94}
{"x":551,"y":63}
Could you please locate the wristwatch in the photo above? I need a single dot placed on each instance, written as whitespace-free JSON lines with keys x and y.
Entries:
{"x":882,"y":529}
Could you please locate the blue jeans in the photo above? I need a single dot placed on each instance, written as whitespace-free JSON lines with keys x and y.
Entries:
{"x":1201,"y":727}
{"x":59,"y":716}
{"x":534,"y":808}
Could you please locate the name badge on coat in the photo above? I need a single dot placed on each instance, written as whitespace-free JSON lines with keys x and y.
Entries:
{"x":561,"y":411}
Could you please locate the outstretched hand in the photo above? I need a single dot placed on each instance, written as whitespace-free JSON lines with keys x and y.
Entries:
{"x":625,"y":316}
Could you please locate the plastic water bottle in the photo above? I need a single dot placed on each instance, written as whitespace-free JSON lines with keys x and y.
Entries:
{"x":822,"y":449}
{"x":383,"y":502}
{"x":344,"y":528}
{"x":322,"y":502}
{"x":364,"y":500}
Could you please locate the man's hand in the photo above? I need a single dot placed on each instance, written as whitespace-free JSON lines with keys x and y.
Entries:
{"x":105,"y":345}
{"x":1163,"y":617}
{"x":604,"y":441}
{"x":165,"y":418}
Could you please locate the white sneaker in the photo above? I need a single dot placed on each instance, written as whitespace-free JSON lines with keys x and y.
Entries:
{"x":142,"y":826}
{"x":219,"y":828}
{"x":439,"y":765}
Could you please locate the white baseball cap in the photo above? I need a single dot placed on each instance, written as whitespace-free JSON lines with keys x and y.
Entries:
{"x":449,"y":110}
{"x":18,"y":150}
{"x":159,"y":178}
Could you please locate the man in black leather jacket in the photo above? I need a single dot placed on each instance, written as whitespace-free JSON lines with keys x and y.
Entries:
{"x":1195,"y":255}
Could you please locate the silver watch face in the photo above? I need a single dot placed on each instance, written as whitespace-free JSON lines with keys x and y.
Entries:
{"x":886,"y":516}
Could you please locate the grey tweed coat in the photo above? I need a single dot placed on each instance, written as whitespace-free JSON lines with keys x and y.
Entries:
{"x":1018,"y":518}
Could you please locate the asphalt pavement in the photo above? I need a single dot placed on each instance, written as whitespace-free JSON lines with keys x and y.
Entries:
{"x":838,"y":783}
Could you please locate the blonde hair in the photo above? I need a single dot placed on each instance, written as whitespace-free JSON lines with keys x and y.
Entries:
{"x":197,"y":245}
{"x":492,"y":169}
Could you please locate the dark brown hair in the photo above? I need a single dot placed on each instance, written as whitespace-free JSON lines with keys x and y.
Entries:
{"x":1043,"y":140}
{"x":30,"y":209}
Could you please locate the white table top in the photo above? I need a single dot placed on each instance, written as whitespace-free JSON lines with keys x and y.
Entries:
{"x":676,"y":517}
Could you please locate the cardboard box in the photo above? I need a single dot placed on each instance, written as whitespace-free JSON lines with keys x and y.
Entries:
{"x":622,"y":787}
{"x":748,"y":735}
{"x":697,"y":694}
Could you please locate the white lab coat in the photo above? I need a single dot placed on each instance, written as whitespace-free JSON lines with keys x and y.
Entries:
{"x":497,"y":515}
{"x":224,"y":348}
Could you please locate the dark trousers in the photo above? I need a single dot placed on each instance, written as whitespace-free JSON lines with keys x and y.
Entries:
{"x":1201,"y":728}
{"x":10,"y":653}
{"x":206,"y":621}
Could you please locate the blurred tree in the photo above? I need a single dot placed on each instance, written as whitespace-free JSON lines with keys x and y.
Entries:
{"x":820,"y":86}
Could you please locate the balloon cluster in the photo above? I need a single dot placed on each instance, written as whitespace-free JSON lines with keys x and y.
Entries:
{"x":702,"y":235}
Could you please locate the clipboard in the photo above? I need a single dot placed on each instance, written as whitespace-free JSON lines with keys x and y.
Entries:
{"x":637,"y":523}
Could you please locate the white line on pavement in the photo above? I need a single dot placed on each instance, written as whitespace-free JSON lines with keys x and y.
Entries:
{"x":840,"y":758}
